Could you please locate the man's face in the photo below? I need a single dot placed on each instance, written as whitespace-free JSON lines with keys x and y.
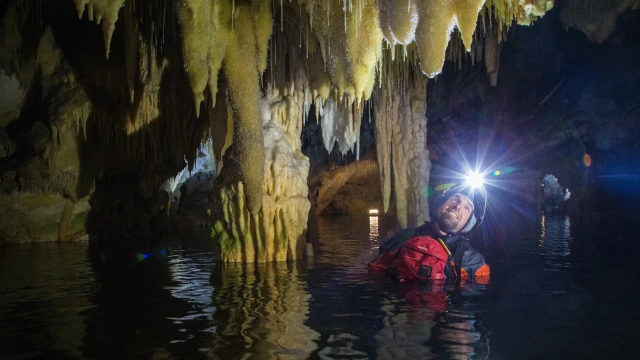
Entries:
{"x":454,"y":213}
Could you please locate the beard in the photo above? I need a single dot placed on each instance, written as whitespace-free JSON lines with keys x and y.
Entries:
{"x":447,"y":221}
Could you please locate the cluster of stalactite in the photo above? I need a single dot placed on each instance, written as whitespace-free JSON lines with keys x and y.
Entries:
{"x":174,"y":72}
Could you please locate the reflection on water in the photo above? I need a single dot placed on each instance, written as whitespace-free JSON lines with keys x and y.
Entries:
{"x":43,"y":290}
{"x":423,"y":321}
{"x":555,"y":241}
{"x":374,"y":233}
{"x":191,"y":281}
{"x":262,"y":309}
{"x":551,"y":284}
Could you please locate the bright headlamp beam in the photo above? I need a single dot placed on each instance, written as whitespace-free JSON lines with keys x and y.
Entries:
{"x":474,"y":180}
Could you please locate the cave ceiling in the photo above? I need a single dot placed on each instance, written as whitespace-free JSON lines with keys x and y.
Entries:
{"x":146,"y":79}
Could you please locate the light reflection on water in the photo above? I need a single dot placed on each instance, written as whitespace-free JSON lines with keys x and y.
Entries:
{"x":555,"y":242}
{"x":76,"y":301}
{"x":262,"y":310}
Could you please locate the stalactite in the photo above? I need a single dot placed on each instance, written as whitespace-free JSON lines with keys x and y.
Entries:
{"x":221,"y":124}
{"x":245,"y":96}
{"x":131,"y":31}
{"x":327,"y":53}
{"x":401,"y":147}
{"x":350,"y":43}
{"x":105,"y":13}
{"x":195,"y":22}
{"x":492,"y":57}
{"x":206,"y":26}
{"x":336,"y":119}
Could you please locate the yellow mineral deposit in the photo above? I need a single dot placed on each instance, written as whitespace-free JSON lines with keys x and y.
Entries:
{"x":195,"y":21}
{"x":206,"y":26}
{"x":242,"y":69}
{"x":399,"y":20}
{"x":364,"y":45}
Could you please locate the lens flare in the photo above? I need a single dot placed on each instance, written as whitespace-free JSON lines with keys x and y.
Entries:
{"x":586,"y":159}
{"x":475,"y":180}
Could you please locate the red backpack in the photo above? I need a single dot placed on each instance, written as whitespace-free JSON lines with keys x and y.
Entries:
{"x":421,"y":257}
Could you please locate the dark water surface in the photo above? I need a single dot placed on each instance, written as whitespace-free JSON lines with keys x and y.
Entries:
{"x":560,"y":289}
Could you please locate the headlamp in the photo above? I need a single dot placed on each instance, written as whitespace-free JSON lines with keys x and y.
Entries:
{"x":474,"y":180}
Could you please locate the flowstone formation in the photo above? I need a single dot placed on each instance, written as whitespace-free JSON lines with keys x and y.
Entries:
{"x":130,"y":111}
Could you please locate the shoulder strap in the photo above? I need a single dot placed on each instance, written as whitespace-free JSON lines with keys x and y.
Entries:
{"x":463,"y":245}
{"x":449,"y":270}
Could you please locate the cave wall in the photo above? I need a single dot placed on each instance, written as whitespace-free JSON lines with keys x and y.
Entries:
{"x":86,"y":119}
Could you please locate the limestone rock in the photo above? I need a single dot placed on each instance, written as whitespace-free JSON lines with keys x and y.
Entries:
{"x":276,"y":233}
{"x":39,"y":137}
{"x":7,"y":146}
{"x":11,"y":98}
{"x":28,"y":218}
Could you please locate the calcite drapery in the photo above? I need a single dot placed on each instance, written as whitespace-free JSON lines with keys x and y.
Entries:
{"x":401,"y":143}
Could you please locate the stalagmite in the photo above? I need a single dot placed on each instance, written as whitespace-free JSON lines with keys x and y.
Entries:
{"x":65,"y":218}
{"x":277,"y":231}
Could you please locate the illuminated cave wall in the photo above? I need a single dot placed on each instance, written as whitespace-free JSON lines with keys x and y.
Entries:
{"x":119,"y":98}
